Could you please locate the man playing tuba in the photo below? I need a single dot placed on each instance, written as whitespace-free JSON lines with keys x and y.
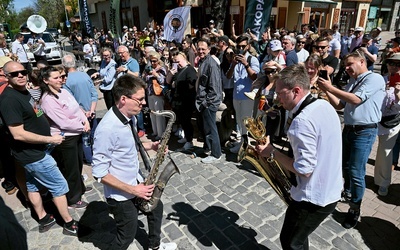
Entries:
{"x":37,"y":46}
{"x":317,"y":147}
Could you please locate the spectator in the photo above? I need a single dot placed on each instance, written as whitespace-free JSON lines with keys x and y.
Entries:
{"x":31,"y":133}
{"x":370,"y":51}
{"x":330,"y":62}
{"x":334,"y":45}
{"x":19,"y":50}
{"x":66,"y":118}
{"x":90,"y":50}
{"x":346,"y":42}
{"x":357,"y":40}
{"x":302,"y":54}
{"x":362,"y":102}
{"x":289,"y":44}
{"x":208,"y":99}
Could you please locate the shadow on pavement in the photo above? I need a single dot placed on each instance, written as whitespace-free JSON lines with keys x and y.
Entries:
{"x":393,"y":196}
{"x":97,"y":226}
{"x":215,"y":225}
{"x":376,"y":233}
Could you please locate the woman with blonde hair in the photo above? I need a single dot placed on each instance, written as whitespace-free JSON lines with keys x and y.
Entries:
{"x":313,"y":65}
{"x":154,"y":75}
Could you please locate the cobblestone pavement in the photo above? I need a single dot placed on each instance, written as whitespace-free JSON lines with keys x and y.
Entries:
{"x":223,"y":206}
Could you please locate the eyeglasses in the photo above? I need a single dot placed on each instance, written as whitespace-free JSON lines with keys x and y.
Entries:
{"x":320,"y":47}
{"x":122,"y":52}
{"x":16,"y":73}
{"x":300,"y":42}
{"x":278,"y":93}
{"x":139,"y":101}
{"x":241,"y":46}
{"x":397,"y":64}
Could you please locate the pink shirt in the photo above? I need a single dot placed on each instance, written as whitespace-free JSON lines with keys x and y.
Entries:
{"x":64,"y":113}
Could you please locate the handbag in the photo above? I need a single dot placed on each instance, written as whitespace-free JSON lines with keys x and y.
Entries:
{"x":390,"y":121}
{"x":157,"y":87}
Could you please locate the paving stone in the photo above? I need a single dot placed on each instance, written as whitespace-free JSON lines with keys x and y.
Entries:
{"x":251,"y":219}
{"x":211,"y":189}
{"x":172,"y":231}
{"x":208,"y":198}
{"x":202,"y":222}
{"x":215,"y":181}
{"x":234,"y":235}
{"x":190,"y":183}
{"x":340,"y":243}
{"x":234,"y":206}
{"x":219,"y":239}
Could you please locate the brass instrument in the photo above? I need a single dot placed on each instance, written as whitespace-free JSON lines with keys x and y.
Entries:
{"x":269,"y":168}
{"x":169,"y":170}
{"x":36,"y":24}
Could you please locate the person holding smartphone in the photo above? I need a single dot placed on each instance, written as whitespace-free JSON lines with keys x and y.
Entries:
{"x":330,"y":62}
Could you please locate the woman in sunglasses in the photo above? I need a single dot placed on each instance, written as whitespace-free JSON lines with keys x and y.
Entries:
{"x":154,"y":75}
{"x":67,"y":118}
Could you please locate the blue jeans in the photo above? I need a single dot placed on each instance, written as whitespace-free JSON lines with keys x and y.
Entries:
{"x":45,"y":173}
{"x":140,"y":121}
{"x":87,"y":151}
{"x":211,"y":132}
{"x":357,"y":145}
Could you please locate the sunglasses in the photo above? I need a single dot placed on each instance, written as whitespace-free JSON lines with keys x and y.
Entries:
{"x":397,"y":64}
{"x":320,"y":47}
{"x":16,"y":73}
{"x":267,"y":72}
{"x":64,"y":76}
{"x":153,"y":61}
{"x":300,"y":42}
{"x":241,"y":46}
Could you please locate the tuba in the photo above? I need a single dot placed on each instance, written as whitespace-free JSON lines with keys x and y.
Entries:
{"x":269,"y":168}
{"x":169,"y":169}
{"x":36,"y":24}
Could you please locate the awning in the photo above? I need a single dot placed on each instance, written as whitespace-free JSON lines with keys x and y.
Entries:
{"x":316,"y":1}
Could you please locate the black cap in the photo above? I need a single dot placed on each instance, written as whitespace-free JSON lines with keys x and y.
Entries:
{"x":367,"y":37}
{"x":224,"y":39}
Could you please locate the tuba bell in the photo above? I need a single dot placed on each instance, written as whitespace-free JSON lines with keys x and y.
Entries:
{"x":36,"y":24}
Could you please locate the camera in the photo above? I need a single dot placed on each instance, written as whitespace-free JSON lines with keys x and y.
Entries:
{"x":240,"y":52}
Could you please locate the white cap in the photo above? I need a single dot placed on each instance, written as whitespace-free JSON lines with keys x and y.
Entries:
{"x":359,"y":29}
{"x":211,"y":21}
{"x":125,"y":27}
{"x":275,"y":45}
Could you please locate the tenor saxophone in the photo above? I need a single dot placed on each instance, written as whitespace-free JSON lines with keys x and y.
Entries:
{"x":269,"y":168}
{"x":169,"y":169}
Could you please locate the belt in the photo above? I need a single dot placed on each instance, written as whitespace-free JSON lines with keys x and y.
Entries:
{"x":361,"y":127}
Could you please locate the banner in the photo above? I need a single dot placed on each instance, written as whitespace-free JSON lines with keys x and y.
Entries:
{"x":257,"y":16}
{"x":86,"y":25}
{"x":115,"y":23}
{"x":175,"y":23}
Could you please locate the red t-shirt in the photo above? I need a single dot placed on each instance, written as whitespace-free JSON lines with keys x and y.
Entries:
{"x":393,"y":79}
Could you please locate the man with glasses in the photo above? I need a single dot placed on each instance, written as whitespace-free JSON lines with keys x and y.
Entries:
{"x":362,"y":100}
{"x":127,"y":65}
{"x":208,"y":99}
{"x":116,"y":165}
{"x":30,"y":132}
{"x":334,"y":44}
{"x":288,"y":44}
{"x":330,"y":62}
{"x":302,"y":54}
{"x":357,"y":40}
{"x":317,"y":157}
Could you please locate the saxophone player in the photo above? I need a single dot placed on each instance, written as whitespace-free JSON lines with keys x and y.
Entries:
{"x":315,"y":137}
{"x":116,"y":164}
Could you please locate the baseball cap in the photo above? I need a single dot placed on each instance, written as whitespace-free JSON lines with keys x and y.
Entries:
{"x":4,"y":60}
{"x":367,"y":37}
{"x":211,"y":21}
{"x":224,"y":39}
{"x":359,"y":29}
{"x":125,"y":27}
{"x":275,"y":45}
{"x":379,"y":28}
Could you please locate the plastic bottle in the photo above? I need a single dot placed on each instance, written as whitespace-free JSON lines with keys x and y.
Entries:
{"x":86,"y":139}
{"x":50,"y":147}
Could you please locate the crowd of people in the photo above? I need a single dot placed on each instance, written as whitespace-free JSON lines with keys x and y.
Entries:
{"x":49,"y":116}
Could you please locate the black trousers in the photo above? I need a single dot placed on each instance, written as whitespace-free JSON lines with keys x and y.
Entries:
{"x":126,"y":217}
{"x":301,"y":219}
{"x":184,"y":114}
{"x":211,"y":138}
{"x":69,"y":158}
{"x":108,"y":98}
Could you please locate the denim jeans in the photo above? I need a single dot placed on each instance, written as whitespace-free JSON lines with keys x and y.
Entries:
{"x":301,"y":219}
{"x":140,"y":121}
{"x":87,"y":151}
{"x":357,"y":145}
{"x":126,"y":218}
{"x":211,"y":132}
{"x":45,"y":173}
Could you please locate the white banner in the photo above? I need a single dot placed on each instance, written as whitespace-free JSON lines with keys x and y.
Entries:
{"x":175,"y":23}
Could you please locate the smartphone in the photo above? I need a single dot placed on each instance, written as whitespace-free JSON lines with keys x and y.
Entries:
{"x":175,"y":66}
{"x":323,"y":73}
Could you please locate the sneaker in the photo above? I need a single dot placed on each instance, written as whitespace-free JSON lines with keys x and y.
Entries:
{"x":383,"y":191}
{"x":351,"y":219}
{"x":165,"y":246}
{"x":9,"y":187}
{"x":210,"y":159}
{"x":141,"y":133}
{"x":46,"y":223}
{"x":345,"y":197}
{"x":78,"y":205}
{"x":188,"y":145}
{"x":88,"y":189}
{"x":236,"y":148}
{"x":183,"y":140}
{"x":71,"y":229}
{"x":251,"y":95}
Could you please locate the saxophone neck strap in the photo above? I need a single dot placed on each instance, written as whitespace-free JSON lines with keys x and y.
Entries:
{"x":309,"y":99}
{"x":142,"y":150}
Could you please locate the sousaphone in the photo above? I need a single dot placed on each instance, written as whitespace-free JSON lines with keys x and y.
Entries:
{"x":36,"y":24}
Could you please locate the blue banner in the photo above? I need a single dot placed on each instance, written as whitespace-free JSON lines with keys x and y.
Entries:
{"x":86,"y":24}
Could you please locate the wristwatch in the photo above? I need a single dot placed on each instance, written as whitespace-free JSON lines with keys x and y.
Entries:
{"x":247,"y":66}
